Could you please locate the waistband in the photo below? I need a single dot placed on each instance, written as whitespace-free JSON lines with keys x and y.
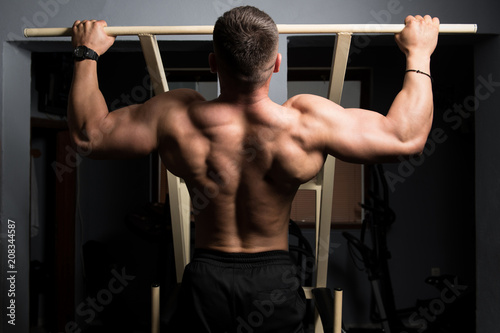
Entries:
{"x":245,"y":259}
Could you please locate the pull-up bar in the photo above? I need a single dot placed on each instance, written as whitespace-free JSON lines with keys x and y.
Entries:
{"x":282,"y":28}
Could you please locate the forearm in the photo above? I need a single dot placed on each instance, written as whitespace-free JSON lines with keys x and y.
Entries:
{"x":412,"y":110}
{"x":87,"y":107}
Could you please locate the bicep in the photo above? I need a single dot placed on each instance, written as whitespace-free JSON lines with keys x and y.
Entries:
{"x":136,"y":130}
{"x":357,"y":135}
{"x":124,"y":133}
{"x":363,"y":136}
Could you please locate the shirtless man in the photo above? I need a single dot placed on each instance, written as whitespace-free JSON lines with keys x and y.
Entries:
{"x":251,"y":155}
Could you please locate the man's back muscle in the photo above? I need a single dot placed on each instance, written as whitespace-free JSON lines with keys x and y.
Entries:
{"x":242,"y":165}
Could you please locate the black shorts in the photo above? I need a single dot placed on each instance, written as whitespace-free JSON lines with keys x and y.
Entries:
{"x":240,"y":293}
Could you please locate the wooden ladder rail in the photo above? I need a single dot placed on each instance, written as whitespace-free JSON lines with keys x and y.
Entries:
{"x":178,"y":193}
{"x":324,"y":182}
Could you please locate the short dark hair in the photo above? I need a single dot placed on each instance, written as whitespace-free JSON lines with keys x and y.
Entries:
{"x":245,"y":39}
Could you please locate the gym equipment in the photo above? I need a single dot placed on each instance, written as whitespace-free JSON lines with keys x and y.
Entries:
{"x":322,"y":184}
{"x":376,"y":257}
{"x":282,"y":28}
{"x":378,"y":219}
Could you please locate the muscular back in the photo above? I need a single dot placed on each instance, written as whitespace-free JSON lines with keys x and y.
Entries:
{"x":242,"y":165}
{"x":244,"y":160}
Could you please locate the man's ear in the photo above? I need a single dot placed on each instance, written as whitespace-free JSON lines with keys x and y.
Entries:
{"x":277,"y":64}
{"x":212,"y":63}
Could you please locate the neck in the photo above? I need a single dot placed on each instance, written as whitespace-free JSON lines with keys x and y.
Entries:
{"x":244,"y":98}
{"x":234,"y":93}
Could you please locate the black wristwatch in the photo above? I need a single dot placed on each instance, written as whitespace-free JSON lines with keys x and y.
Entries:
{"x":83,"y":52}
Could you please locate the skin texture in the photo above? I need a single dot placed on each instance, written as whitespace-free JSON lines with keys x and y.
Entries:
{"x":242,"y":153}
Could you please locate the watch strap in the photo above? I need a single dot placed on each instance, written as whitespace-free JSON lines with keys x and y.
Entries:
{"x":82,"y":52}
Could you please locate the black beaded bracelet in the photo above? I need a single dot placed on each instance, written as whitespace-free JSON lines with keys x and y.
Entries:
{"x":420,"y":72}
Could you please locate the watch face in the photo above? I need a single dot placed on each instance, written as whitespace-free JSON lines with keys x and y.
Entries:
{"x":78,"y":52}
{"x":83,"y":52}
